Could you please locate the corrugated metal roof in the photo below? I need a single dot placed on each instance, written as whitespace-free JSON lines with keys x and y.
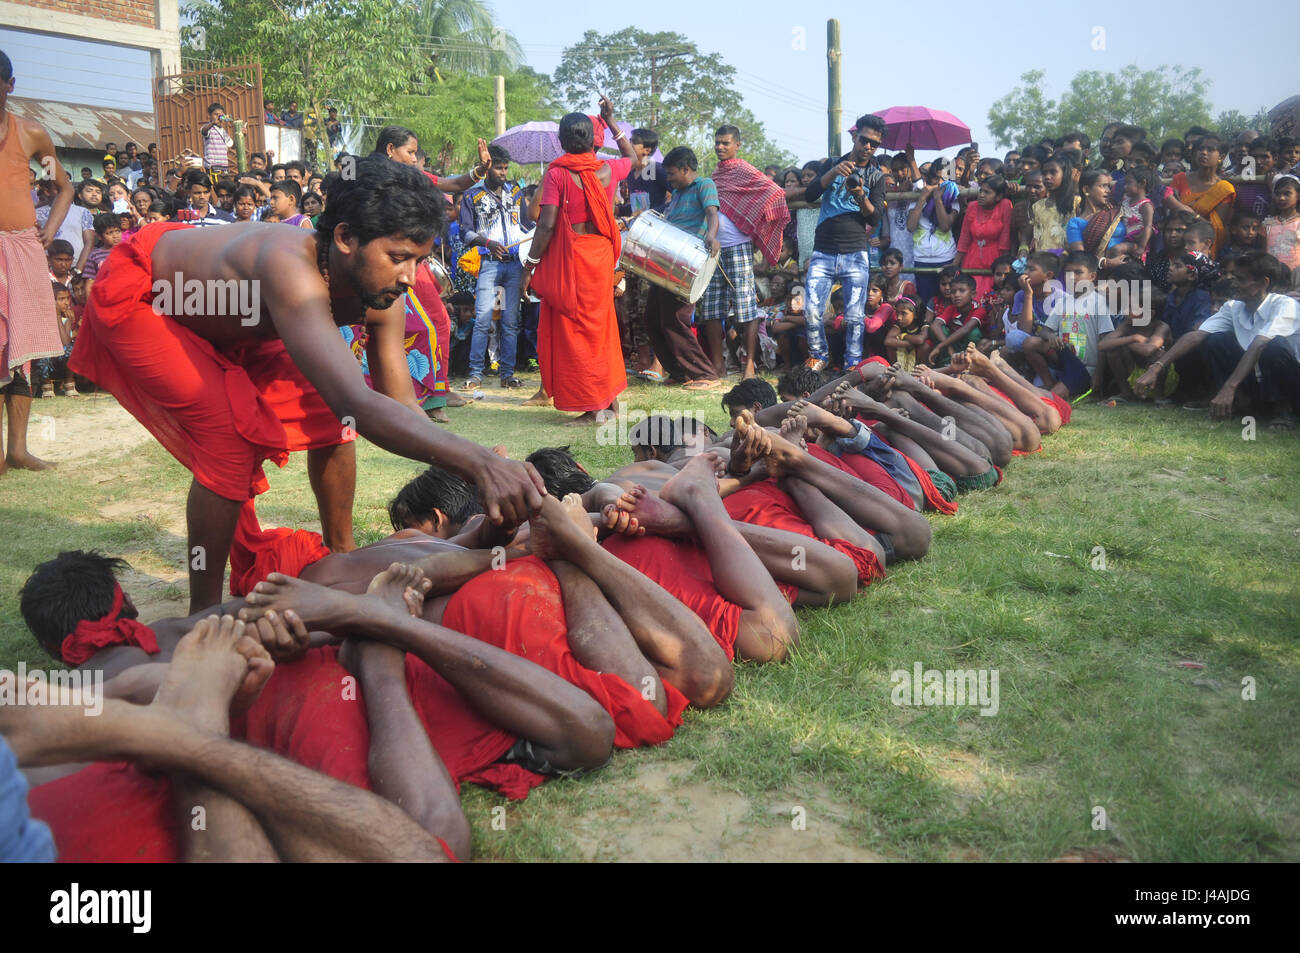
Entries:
{"x":87,"y":127}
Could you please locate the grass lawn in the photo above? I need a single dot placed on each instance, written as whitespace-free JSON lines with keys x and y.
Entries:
{"x":1199,"y":530}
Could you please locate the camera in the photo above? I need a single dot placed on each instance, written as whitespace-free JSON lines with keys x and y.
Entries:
{"x":853,"y":182}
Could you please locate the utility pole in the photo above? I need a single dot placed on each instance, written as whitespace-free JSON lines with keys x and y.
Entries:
{"x":501,"y":105}
{"x":654,"y":91}
{"x":833,"y":59}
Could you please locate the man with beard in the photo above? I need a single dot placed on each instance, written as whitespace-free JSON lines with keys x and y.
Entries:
{"x":224,"y":343}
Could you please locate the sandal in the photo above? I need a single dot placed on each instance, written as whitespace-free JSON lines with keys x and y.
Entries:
{"x":655,"y":377}
{"x":702,"y":384}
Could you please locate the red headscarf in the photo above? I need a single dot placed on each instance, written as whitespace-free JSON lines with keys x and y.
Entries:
{"x":91,"y":636}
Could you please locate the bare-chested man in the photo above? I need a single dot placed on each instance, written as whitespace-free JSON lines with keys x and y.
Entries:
{"x":28,"y":328}
{"x":225,"y":344}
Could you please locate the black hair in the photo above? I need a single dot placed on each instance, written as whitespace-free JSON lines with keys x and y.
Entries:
{"x":1009,"y":260}
{"x":993,"y":163}
{"x":213,"y":107}
{"x":658,"y":433}
{"x":60,"y":246}
{"x":949,"y":271}
{"x":728,"y":130}
{"x":646,"y":137}
{"x":814,"y":165}
{"x":392,"y":136}
{"x":561,"y":473}
{"x":226,"y":184}
{"x":1090,"y":178}
{"x":1130,"y":133}
{"x":801,"y":381}
{"x":498,"y":154}
{"x":434,"y":489}
{"x":462,"y":298}
{"x":290,"y":188}
{"x":106,"y":220}
{"x":892,"y":253}
{"x":159,"y":207}
{"x":871,"y":122}
{"x":246,"y":191}
{"x":1063,"y":197}
{"x":257,"y":155}
{"x":1173,"y":144}
{"x":1144,"y":148}
{"x":1144,"y":177}
{"x":997,"y":184}
{"x":755,"y":390}
{"x":73,"y":586}
{"x":59,"y":288}
{"x":683,"y":157}
{"x":1195,"y":132}
{"x":1260,"y":264}
{"x":296,"y":164}
{"x":1263,"y":144}
{"x":577,"y":135}
{"x":1200,"y":229}
{"x":6,"y":68}
{"x":383,"y":198}
{"x":1129,"y":271}
{"x":193,"y":177}
{"x":1085,"y":143}
{"x":1080,"y":258}
{"x":1284,"y":142}
{"x":1047,"y":261}
{"x":1037,"y":153}
{"x":964,"y":279}
{"x":1248,"y":212}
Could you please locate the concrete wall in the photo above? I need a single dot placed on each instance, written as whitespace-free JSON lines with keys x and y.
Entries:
{"x":152,"y":25}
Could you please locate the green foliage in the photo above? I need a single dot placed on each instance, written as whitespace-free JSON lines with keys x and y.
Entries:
{"x":662,"y":81}
{"x":1164,"y":101}
{"x":454,"y":113}
{"x":1232,"y":122}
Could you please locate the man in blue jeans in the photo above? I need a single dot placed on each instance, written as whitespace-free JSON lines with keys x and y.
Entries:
{"x":852,"y":194}
{"x":494,"y":216}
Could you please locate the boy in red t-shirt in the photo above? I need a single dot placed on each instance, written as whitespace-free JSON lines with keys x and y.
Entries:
{"x":960,"y":323}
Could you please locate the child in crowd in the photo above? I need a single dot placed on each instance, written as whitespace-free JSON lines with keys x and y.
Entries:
{"x":108,"y":234}
{"x":1253,"y":194}
{"x":880,"y":319}
{"x":1022,"y":226}
{"x":1172,"y":235}
{"x":1288,"y":154}
{"x":59,"y":258}
{"x":1077,"y":319}
{"x":786,"y":327}
{"x":1029,"y":306}
{"x":1137,"y":211}
{"x":1282,"y":228}
{"x":1199,"y":237}
{"x":55,"y":369}
{"x":1171,"y":150}
{"x":891,"y":268}
{"x":1139,"y":340}
{"x":461,"y":310}
{"x":1244,"y":234}
{"x":908,"y":341}
{"x":944,"y":296}
{"x":960,"y":323}
{"x":285,"y":204}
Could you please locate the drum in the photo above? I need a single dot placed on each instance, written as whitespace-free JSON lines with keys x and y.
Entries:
{"x":666,"y":256}
{"x":440,"y":274}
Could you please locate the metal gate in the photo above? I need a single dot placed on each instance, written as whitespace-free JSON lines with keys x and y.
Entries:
{"x":181,"y":103}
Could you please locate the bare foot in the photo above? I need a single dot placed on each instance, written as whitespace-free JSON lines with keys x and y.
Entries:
{"x":25,"y":461}
{"x":976,"y":360}
{"x":620,"y":521}
{"x":283,"y":636}
{"x":795,"y":429}
{"x":554,"y":533}
{"x":819,"y":418}
{"x":317,"y":606}
{"x":699,"y":476}
{"x":655,"y":514}
{"x":402,"y":586}
{"x":455,"y":400}
{"x":781,"y":456}
{"x":208,"y":672}
{"x":540,"y":399}
{"x":748,"y":444}
{"x":438,"y":416}
{"x":577,"y":513}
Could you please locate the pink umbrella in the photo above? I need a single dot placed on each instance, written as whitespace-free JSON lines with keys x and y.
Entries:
{"x":924,"y":128}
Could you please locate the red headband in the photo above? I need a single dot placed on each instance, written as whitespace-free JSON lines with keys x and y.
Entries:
{"x":91,"y":636}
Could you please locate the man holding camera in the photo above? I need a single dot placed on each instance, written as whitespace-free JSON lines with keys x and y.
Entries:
{"x":852,"y":194}
{"x":216,"y":142}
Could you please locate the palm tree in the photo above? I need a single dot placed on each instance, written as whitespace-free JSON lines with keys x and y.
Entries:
{"x":463,"y":37}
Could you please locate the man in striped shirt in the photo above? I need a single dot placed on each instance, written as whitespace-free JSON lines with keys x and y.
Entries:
{"x":216,"y":141}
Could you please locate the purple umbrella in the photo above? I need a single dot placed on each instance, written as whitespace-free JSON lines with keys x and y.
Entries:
{"x":531,"y":142}
{"x":923,"y":128}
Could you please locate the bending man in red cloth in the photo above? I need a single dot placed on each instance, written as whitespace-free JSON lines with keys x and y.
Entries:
{"x":225,"y":345}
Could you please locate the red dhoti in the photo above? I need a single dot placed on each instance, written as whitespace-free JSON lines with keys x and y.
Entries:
{"x":221,"y":413}
{"x":519,"y":609}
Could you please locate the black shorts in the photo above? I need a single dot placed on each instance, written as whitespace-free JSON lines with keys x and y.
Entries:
{"x":525,"y":755}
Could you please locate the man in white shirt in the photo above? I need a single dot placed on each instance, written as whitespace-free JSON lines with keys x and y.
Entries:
{"x":1252,"y":344}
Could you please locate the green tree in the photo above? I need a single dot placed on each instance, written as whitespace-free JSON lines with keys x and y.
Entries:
{"x":663,"y":82}
{"x":1164,"y":101}
{"x":455,"y":113}
{"x":461,"y":36}
{"x":1232,"y":122}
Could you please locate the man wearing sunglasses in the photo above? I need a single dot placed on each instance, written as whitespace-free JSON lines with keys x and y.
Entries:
{"x":851,"y":190}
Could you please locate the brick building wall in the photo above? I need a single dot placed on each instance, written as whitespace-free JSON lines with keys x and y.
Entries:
{"x":137,"y":12}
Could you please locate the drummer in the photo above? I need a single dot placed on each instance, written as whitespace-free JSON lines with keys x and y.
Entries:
{"x":694,"y":210}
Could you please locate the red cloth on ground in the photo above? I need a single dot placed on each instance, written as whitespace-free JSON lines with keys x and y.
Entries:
{"x":110,"y":813}
{"x":91,"y":636}
{"x":220,"y":412}
{"x":519,"y":609}
{"x":866,"y":470}
{"x":578,"y":345}
{"x":682,"y":569}
{"x":1062,"y":406}
{"x":255,"y":553}
{"x":313,"y":712}
{"x":754,"y":203}
{"x":766,"y":504}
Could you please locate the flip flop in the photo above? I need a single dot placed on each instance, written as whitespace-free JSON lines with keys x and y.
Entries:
{"x":654,"y":377}
{"x":700,"y":385}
